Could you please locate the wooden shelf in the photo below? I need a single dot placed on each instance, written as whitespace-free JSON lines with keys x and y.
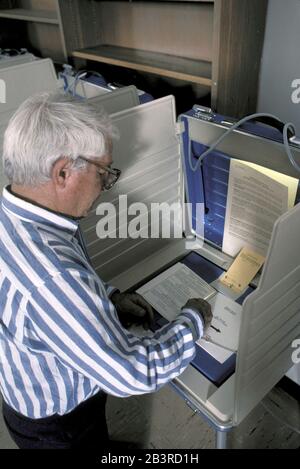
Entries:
{"x":37,"y":16}
{"x":216,"y":44}
{"x":194,"y":71}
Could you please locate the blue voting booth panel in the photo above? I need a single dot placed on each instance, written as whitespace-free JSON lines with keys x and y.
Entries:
{"x":96,"y":80}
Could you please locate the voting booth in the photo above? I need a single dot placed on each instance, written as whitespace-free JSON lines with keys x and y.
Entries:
{"x":155,"y":153}
{"x":90,"y":84}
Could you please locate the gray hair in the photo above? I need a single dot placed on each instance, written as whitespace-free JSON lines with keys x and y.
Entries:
{"x":50,"y":126}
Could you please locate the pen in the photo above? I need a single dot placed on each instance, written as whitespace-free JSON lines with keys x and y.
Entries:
{"x":209,"y":340}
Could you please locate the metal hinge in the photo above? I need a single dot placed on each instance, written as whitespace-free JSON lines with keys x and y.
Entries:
{"x":203,"y":113}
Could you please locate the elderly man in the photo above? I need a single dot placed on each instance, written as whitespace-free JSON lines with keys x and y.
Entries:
{"x":63,"y":347}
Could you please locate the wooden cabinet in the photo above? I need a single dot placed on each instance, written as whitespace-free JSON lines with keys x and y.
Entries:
{"x":50,"y":28}
{"x":215,"y":46}
{"x":34,"y":24}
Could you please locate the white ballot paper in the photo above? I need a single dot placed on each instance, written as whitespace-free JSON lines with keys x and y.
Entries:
{"x":223,"y":334}
{"x":254,"y":202}
{"x":170,"y":290}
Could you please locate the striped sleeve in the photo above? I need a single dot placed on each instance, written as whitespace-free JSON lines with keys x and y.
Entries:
{"x":82,"y":329}
{"x":110,"y":289}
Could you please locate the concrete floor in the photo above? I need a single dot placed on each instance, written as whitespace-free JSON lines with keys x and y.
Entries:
{"x":164,"y":421}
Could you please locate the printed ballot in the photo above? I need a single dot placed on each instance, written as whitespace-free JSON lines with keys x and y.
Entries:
{"x":170,"y":290}
{"x":254,"y":202}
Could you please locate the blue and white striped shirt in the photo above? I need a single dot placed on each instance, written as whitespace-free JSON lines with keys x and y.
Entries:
{"x":60,"y":338}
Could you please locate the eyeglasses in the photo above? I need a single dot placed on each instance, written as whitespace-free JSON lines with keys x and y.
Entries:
{"x":110,"y":175}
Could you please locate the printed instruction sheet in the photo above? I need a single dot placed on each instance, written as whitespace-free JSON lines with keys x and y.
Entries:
{"x":254,"y":202}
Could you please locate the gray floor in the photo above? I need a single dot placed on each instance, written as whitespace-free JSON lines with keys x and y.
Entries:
{"x":163,"y":421}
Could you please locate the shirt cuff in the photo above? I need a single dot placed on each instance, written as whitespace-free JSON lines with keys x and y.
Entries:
{"x":110,"y":290}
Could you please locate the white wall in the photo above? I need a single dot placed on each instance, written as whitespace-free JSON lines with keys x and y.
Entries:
{"x":281,"y":61}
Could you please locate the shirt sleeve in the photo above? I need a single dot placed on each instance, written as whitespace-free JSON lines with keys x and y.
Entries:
{"x":110,"y":289}
{"x":81,"y":327}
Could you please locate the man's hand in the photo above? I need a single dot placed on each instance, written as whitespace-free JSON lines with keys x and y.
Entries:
{"x":132,"y":308}
{"x":201,"y":307}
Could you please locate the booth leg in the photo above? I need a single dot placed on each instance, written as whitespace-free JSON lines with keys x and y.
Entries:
{"x":221,"y":440}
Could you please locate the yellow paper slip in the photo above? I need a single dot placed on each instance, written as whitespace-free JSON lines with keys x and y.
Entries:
{"x":243,"y":270}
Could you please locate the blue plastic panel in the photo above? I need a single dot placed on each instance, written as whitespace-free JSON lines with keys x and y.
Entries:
{"x":208,"y":185}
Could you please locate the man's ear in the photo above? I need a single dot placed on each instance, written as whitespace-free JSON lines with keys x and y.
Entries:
{"x":61,"y":171}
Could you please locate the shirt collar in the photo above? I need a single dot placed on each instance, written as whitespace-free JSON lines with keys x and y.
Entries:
{"x":28,"y":211}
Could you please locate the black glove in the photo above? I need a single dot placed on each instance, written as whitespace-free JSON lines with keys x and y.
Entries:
{"x":132,"y":308}
{"x":201,"y":307}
